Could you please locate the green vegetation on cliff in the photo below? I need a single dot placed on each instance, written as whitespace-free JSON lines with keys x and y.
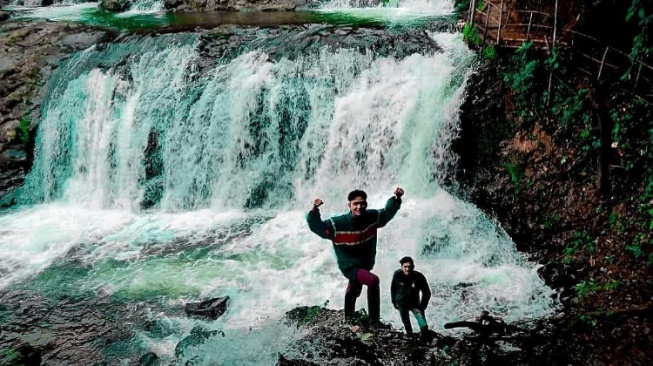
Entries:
{"x":563,"y":159}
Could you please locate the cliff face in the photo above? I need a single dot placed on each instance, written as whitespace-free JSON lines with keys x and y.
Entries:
{"x":562,"y":162}
{"x":542,"y":186}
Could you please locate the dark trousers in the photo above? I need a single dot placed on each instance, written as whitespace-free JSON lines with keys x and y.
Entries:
{"x":405,"y":318}
{"x":354,"y":288}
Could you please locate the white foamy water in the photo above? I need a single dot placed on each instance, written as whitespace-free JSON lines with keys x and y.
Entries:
{"x":62,"y":12}
{"x":73,"y":10}
{"x":394,"y":11}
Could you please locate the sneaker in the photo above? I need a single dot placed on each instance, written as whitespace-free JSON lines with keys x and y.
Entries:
{"x":425,"y":336}
{"x":409,"y":336}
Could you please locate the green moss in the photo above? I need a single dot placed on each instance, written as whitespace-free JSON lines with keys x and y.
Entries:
{"x":23,"y":127}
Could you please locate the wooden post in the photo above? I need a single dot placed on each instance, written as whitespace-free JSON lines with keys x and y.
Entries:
{"x":555,"y":23}
{"x":602,"y":62}
{"x":499,"y":28}
{"x":487,"y":22}
{"x":528,"y":30}
{"x":597,"y":99}
{"x":472,"y":10}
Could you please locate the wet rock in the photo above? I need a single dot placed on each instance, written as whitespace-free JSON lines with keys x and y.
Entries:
{"x":149,"y":359}
{"x":329,"y":340}
{"x":25,"y":354}
{"x":198,"y":335}
{"x":232,"y":5}
{"x":14,"y":156}
{"x":558,"y":275}
{"x":291,"y":42}
{"x":286,"y":362}
{"x":115,"y":5}
{"x":485,"y":325}
{"x":80,"y":329}
{"x":3,"y":16}
{"x":212,"y":308}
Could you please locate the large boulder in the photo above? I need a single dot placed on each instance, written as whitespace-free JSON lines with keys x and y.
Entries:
{"x":212,"y":308}
{"x":115,"y":5}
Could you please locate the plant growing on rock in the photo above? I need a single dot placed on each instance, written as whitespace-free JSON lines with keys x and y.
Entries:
{"x":23,"y":127}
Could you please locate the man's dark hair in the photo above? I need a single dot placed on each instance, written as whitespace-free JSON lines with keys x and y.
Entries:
{"x":356,"y":193}
{"x":407,"y":260}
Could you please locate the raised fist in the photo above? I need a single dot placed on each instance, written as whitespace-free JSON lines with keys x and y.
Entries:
{"x":399,"y":192}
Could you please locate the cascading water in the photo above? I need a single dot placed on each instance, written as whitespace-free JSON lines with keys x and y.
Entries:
{"x":169,"y":183}
{"x":76,"y":10}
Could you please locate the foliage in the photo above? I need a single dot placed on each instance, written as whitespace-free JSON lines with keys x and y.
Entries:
{"x":23,"y":127}
{"x":589,"y":139}
{"x":551,"y":221}
{"x":515,"y":171}
{"x":490,"y":53}
{"x":580,"y":240}
{"x":572,"y":107}
{"x":635,"y":249}
{"x":643,"y":42}
{"x":462,"y":5}
{"x":632,"y":134}
{"x":521,"y":78}
{"x":586,"y":288}
{"x":470,"y":35}
{"x":589,"y":320}
{"x":360,"y":317}
{"x":611,"y":285}
{"x":615,"y":222}
{"x":633,"y":119}
{"x":553,"y":61}
{"x":307,"y":314}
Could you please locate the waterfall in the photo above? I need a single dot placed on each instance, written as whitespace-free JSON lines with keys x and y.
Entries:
{"x":173,"y":179}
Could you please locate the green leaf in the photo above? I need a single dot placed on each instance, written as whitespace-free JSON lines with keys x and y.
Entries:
{"x":630,"y":14}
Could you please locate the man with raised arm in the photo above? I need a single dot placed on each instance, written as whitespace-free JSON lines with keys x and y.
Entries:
{"x":354,"y":241}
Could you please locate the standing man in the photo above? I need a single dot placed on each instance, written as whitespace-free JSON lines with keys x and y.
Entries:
{"x":405,"y":290}
{"x":354,"y":241}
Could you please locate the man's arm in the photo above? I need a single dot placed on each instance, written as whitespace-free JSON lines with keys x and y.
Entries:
{"x":426,"y":293}
{"x":324,"y":229}
{"x":391,"y":207}
{"x":393,"y":290}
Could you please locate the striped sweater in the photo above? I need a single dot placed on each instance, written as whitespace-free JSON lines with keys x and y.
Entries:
{"x":353,"y":238}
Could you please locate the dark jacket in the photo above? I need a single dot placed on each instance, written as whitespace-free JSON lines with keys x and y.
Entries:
{"x":405,"y":290}
{"x":354,"y":239}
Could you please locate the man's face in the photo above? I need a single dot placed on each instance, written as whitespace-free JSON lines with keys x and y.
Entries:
{"x":357,"y":206}
{"x":407,"y":268}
